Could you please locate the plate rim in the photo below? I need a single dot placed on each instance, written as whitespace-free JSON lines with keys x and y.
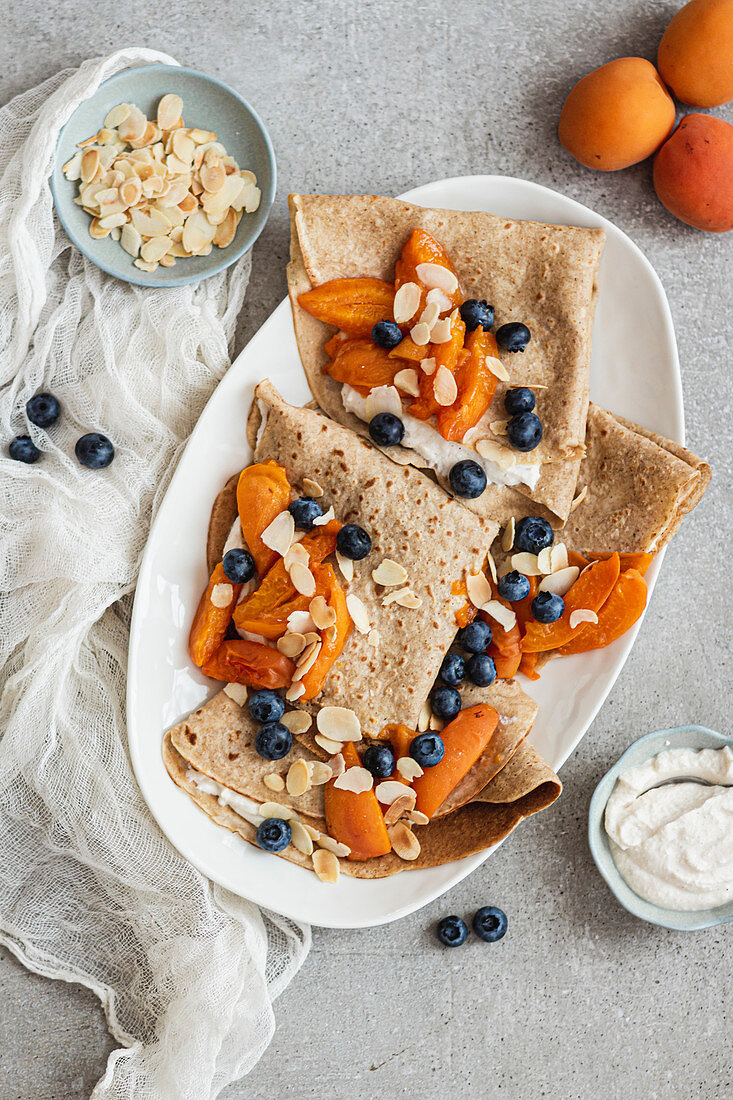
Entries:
{"x":467,"y":864}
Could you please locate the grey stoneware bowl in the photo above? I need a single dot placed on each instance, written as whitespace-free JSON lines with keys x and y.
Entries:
{"x":687,"y":737}
{"x":208,"y":104}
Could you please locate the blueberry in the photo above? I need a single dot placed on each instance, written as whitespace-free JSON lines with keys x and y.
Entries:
{"x":266,"y":705}
{"x":353,"y":542}
{"x":386,"y":429}
{"x":23,"y":449}
{"x":476,"y":637}
{"x":453,"y":669}
{"x":239,"y":566}
{"x":513,"y":337}
{"x":481,"y":670}
{"x":43,"y":409}
{"x":379,"y":760}
{"x":386,"y":334}
{"x":513,"y":586}
{"x":452,"y":931}
{"x":532,"y":534}
{"x":519,"y":400}
{"x":428,"y":748}
{"x":273,"y":741}
{"x":547,"y":607}
{"x":305,"y":511}
{"x":524,"y":432}
{"x":94,"y":450}
{"x":467,"y":479}
{"x":475,"y":312}
{"x":489,"y":923}
{"x":446,"y":703}
{"x":274,"y":834}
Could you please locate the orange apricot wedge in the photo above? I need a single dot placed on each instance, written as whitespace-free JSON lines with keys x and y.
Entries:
{"x":620,"y":611}
{"x":210,"y":622}
{"x":352,"y":305}
{"x":263,"y":491}
{"x":465,"y":738}
{"x":590,"y":591}
{"x":356,"y":819}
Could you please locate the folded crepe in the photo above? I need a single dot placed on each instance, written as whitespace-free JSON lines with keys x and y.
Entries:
{"x":543,"y":275}
{"x":384,"y":676}
{"x":217,"y":741}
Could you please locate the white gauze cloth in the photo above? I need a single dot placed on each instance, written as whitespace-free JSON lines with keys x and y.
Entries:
{"x":90,"y":890}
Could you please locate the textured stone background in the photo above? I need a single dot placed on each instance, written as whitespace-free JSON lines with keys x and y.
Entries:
{"x":579,"y":999}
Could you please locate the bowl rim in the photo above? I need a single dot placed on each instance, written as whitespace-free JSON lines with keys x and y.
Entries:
{"x":142,"y":278}
{"x":685,"y":920}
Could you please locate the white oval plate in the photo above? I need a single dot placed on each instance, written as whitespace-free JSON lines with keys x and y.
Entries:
{"x":635,"y":372}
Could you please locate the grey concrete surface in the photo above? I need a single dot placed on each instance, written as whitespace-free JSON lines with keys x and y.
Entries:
{"x":579,"y":1000}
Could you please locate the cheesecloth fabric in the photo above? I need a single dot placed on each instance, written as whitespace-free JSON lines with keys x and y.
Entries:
{"x":90,"y":890}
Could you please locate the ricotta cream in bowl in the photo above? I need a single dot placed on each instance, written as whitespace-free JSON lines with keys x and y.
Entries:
{"x":667,"y":854}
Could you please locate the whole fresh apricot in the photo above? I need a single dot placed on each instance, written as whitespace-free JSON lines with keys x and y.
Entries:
{"x":693,"y":173}
{"x":616,"y":115}
{"x":695,"y":55}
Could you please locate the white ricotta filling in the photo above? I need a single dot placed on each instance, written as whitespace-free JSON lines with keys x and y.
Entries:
{"x":244,"y":807}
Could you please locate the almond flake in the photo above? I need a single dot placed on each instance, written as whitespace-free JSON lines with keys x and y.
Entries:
{"x":278,"y":535}
{"x":436,"y":723}
{"x":408,"y":598}
{"x":407,"y":381}
{"x":478,"y":589}
{"x":336,"y":764}
{"x":291,"y":645}
{"x":497,"y":368}
{"x":274,"y":809}
{"x":296,"y":553}
{"x":321,"y":521}
{"x":312,"y":488}
{"x":441,"y":299}
{"x":117,"y":115}
{"x":408,"y":768}
{"x":503,"y":457}
{"x":274,"y":782}
{"x":527,"y":564}
{"x":346,"y":566}
{"x":356,"y":779}
{"x":169,"y":111}
{"x":373,"y":638}
{"x":339,"y":724}
{"x":300,"y":622}
{"x":428,"y":365}
{"x":444,"y":387}
{"x":326,"y":865}
{"x":492,"y":567}
{"x":389,"y":573}
{"x":303,"y":580}
{"x":438,"y":276}
{"x":237,"y":693}
{"x":582,"y":615}
{"x":307,"y":660}
{"x":430,"y":314}
{"x":423,"y":719}
{"x":401,"y":806}
{"x":294,"y":692}
{"x":559,"y":557}
{"x":312,"y":833}
{"x":441,"y":331}
{"x":320,"y":772}
{"x":503,"y":615}
{"x":333,"y":748}
{"x":297,"y":721}
{"x":498,"y":427}
{"x":334,"y":846}
{"x":580,"y":498}
{"x":323,"y":614}
{"x":561,"y":581}
{"x":420,"y":334}
{"x":222,"y":595}
{"x":359,"y":614}
{"x":383,"y":399}
{"x":389,"y":790}
{"x":298,"y":780}
{"x":406,"y":301}
{"x":404,"y":842}
{"x":417,"y":817}
{"x":544,"y":560}
{"x":300,"y":839}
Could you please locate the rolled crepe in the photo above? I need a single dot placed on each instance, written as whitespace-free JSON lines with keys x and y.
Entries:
{"x":543,"y":275}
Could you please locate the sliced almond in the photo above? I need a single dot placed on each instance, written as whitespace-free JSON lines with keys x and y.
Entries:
{"x":408,"y":768}
{"x":133,"y":125}
{"x":116,"y":115}
{"x":155,"y":248}
{"x":580,"y":498}
{"x":274,"y":782}
{"x":339,"y":724}
{"x":400,"y":807}
{"x":294,"y":692}
{"x":321,"y":521}
{"x":298,"y":779}
{"x":333,"y":748}
{"x":226,"y":230}
{"x":89,"y":164}
{"x":274,"y":809}
{"x":184,"y":149}
{"x":503,"y":615}
{"x":498,"y":427}
{"x":320,"y":773}
{"x":336,"y":763}
{"x":373,"y":638}
{"x":423,"y":718}
{"x":300,"y":838}
{"x":428,"y":365}
{"x":169,"y":110}
{"x":300,"y":622}
{"x":406,"y":301}
{"x":346,"y":566}
{"x":497,"y":368}
{"x":441,"y":331}
{"x":323,"y":614}
{"x":503,"y":457}
{"x":417,"y":817}
{"x":430,"y":314}
{"x":404,"y":842}
{"x":297,"y":721}
{"x":507,"y":537}
{"x":436,"y":723}
{"x":443,"y":302}
{"x":291,"y":645}
{"x":307,"y":659}
{"x":326,"y":865}
{"x":544,"y":560}
{"x":527,"y":564}
{"x":278,"y":535}
{"x":237,"y":693}
{"x":435,"y":275}
{"x":383,"y":399}
{"x":478,"y":589}
{"x":296,"y":552}
{"x":420,"y":334}
{"x":312,"y":488}
{"x":560,"y":581}
{"x":407,"y":381}
{"x":389,"y":790}
{"x":445,"y":387}
{"x":389,"y":573}
{"x":356,"y":779}
{"x":330,"y":845}
{"x":492,"y":567}
{"x":303,"y":580}
{"x":222,"y":595}
{"x":559,"y":557}
{"x":582,"y":615}
{"x":358,"y":612}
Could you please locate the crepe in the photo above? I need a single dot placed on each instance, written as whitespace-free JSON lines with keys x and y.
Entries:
{"x":543,"y":275}
{"x":638,"y":487}
{"x":217,"y":740}
{"x":411,"y":521}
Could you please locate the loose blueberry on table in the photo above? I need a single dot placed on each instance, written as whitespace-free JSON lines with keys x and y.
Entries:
{"x":532,"y":534}
{"x":387,"y":334}
{"x":427,"y":749}
{"x":547,"y":607}
{"x":489,"y":923}
{"x":94,"y":450}
{"x":238,"y":566}
{"x":467,"y":479}
{"x":513,"y":586}
{"x":273,"y":834}
{"x":386,"y":429}
{"x":519,"y":400}
{"x":453,"y":669}
{"x":353,"y":542}
{"x":452,"y":931}
{"x":266,"y":705}
{"x":379,"y":760}
{"x":513,"y":336}
{"x":524,"y":432}
{"x":475,"y":637}
{"x":273,"y":741}
{"x":23,"y":449}
{"x":445,"y":702}
{"x":43,"y":410}
{"x":475,"y":312}
{"x":305,"y":512}
{"x":481,"y":670}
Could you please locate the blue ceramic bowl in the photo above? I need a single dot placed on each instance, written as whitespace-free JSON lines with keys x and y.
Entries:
{"x":688,"y":737}
{"x":208,"y":104}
